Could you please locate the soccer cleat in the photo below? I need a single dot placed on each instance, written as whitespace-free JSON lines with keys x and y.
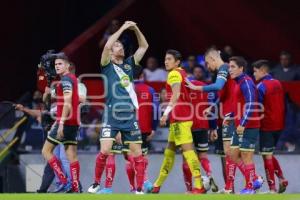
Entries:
{"x":59,"y":188}
{"x":133,"y":191}
{"x":63,"y":188}
{"x":94,"y":188}
{"x":283,"y":183}
{"x":155,"y":190}
{"x":213,"y":185}
{"x":224,"y":191}
{"x":148,"y":186}
{"x":206,"y":183}
{"x":247,"y":191}
{"x":71,"y":191}
{"x":139,"y":192}
{"x":105,"y":191}
{"x":198,"y":191}
{"x":257,"y":184}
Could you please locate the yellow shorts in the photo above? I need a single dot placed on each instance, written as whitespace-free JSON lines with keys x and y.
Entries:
{"x":180,"y":133}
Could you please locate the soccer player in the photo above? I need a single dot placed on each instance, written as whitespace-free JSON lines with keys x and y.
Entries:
{"x":121,"y":104}
{"x":64,"y":130}
{"x":271,"y":95}
{"x":148,"y":119}
{"x":200,"y":130}
{"x":225,"y":85}
{"x":247,"y":123}
{"x":181,"y":120}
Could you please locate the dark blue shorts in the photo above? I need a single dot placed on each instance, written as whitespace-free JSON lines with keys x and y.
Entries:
{"x":228,"y":130}
{"x":247,"y":141}
{"x":125,"y":123}
{"x":268,"y":141}
{"x":70,"y":135}
{"x":200,"y":138}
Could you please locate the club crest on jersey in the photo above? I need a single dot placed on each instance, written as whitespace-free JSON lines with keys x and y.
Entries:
{"x":127,"y":67}
{"x":125,"y":81}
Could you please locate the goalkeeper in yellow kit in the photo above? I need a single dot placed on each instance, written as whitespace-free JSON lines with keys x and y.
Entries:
{"x":180,"y":112}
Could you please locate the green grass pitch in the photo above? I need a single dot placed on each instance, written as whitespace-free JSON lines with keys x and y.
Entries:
{"x":147,"y":197}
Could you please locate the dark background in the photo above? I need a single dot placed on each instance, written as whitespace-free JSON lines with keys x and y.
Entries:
{"x":255,"y":29}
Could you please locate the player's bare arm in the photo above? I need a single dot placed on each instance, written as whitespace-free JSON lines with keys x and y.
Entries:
{"x":34,"y":113}
{"x":172,"y":103}
{"x":112,"y":39}
{"x":143,"y":44}
{"x":65,"y":112}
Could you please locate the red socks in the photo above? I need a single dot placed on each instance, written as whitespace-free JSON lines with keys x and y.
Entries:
{"x":241,"y":167}
{"x":187,"y":176}
{"x":100,"y":165}
{"x":270,"y":173}
{"x":230,"y":173}
{"x":206,"y":166}
{"x":277,"y":168}
{"x":139,"y":165}
{"x":130,"y":171}
{"x":56,"y":166}
{"x":110,"y":171}
{"x":249,"y":175}
{"x":75,"y":173}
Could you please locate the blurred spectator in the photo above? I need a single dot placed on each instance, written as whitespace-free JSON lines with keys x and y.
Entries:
{"x":228,"y":50}
{"x":152,"y":72}
{"x":37,"y":101}
{"x":285,"y":70}
{"x":227,"y":53}
{"x":190,"y":64}
{"x":198,"y":74}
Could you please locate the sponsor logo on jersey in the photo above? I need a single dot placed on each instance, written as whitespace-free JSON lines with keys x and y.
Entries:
{"x":127,"y":67}
{"x":125,"y":81}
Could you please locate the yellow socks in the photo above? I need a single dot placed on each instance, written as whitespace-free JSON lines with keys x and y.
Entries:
{"x":194,"y":165}
{"x":166,"y":167}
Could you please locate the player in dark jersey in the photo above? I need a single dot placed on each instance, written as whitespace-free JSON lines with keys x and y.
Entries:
{"x":271,"y":95}
{"x":121,"y":104}
{"x":148,"y":120}
{"x":65,"y":129}
{"x":247,"y":124}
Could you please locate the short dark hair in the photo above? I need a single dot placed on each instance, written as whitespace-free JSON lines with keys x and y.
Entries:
{"x":62,"y":56}
{"x":197,"y":66}
{"x":176,"y":54}
{"x":286,"y":53}
{"x":239,"y":60}
{"x":261,"y":63}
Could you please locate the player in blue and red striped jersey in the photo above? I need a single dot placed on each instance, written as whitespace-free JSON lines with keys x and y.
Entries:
{"x":64,"y":130}
{"x":200,"y":131}
{"x":271,"y":95}
{"x":247,"y":123}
